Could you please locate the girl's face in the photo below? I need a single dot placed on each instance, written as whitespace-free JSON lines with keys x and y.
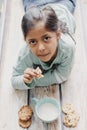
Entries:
{"x":43,"y":43}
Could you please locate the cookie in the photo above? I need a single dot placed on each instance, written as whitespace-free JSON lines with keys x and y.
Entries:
{"x":39,"y":73}
{"x":25,"y":113}
{"x":25,"y":124}
{"x":71,"y":119}
{"x":68,"y":108}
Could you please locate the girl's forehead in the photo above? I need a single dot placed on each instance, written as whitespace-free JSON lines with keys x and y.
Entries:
{"x":38,"y":30}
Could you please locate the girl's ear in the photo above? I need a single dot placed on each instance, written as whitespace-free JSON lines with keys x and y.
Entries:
{"x":58,"y":34}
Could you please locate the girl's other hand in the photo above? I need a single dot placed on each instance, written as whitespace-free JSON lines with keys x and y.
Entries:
{"x":29,"y":75}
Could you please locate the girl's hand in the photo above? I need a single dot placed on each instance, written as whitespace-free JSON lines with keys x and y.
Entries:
{"x":29,"y":75}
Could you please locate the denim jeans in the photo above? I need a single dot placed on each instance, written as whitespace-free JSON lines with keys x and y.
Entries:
{"x":70,"y":4}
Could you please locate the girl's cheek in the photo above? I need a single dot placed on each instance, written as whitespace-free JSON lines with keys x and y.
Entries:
{"x":33,"y":50}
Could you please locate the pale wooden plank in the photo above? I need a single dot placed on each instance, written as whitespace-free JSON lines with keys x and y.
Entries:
{"x":74,"y":90}
{"x":11,"y":100}
{"x":2,"y":21}
{"x":40,"y":92}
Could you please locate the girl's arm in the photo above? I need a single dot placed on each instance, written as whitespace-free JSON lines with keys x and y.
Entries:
{"x":23,"y":62}
{"x":17,"y":79}
{"x":63,"y":70}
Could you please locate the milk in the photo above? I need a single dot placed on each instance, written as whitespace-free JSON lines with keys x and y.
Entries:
{"x":48,"y":111}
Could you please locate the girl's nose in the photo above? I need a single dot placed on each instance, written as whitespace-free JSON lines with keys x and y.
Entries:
{"x":41,"y":47}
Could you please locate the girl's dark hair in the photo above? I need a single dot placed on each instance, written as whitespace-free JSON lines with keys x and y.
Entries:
{"x":47,"y":15}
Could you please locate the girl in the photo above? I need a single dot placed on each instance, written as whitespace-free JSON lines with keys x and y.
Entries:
{"x":49,"y":46}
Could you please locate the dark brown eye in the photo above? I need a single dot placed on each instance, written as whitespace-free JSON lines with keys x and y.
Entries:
{"x":32,"y":42}
{"x":47,"y":38}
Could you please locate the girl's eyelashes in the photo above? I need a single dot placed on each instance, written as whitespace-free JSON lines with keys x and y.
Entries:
{"x":32,"y":42}
{"x":47,"y":38}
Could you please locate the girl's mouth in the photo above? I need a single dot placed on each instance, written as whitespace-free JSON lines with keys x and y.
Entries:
{"x":42,"y":55}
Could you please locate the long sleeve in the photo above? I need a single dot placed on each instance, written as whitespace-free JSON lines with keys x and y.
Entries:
{"x":63,"y":70}
{"x":23,"y":62}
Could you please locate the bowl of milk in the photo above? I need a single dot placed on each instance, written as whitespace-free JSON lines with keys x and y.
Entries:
{"x":47,"y":109}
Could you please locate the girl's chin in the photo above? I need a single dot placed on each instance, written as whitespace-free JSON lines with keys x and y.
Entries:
{"x":45,"y":60}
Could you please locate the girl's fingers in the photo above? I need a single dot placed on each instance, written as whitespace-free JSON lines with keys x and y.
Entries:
{"x":27,"y":76}
{"x":30,"y":72}
{"x":27,"y":80}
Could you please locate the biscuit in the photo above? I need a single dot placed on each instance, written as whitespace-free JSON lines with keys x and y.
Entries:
{"x":71,"y":119}
{"x":25,"y":124}
{"x":25,"y":113}
{"x":68,"y":108}
{"x":39,"y":73}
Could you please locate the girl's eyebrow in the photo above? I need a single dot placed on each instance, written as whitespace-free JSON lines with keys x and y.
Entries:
{"x":41,"y":36}
{"x":45,"y":35}
{"x":31,"y":39}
